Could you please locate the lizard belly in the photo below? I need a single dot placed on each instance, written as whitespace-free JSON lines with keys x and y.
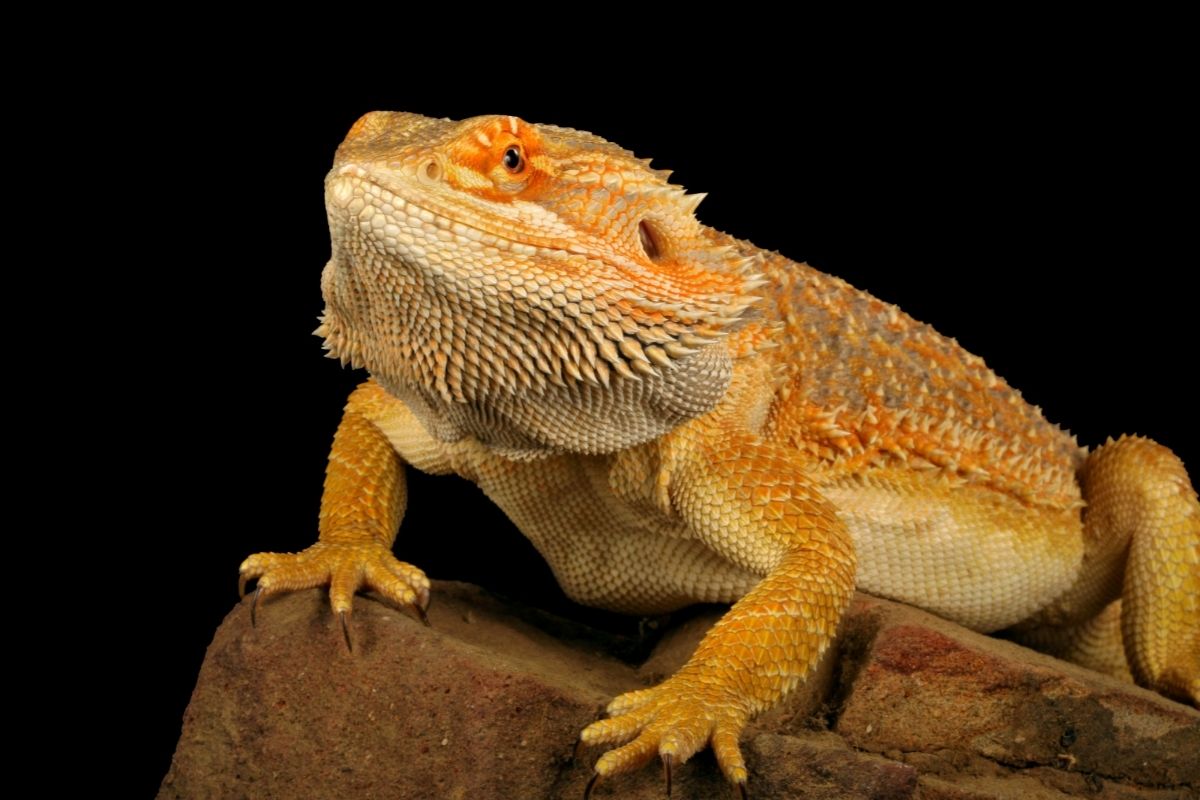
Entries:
{"x":969,"y":554}
{"x":603,"y":552}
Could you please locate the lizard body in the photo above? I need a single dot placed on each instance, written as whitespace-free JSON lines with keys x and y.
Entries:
{"x":672,"y":415}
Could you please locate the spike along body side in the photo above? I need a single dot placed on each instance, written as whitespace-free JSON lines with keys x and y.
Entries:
{"x":675,"y":416}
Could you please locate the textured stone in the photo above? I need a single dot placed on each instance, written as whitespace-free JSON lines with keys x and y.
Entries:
{"x":488,"y":703}
{"x":482,"y":705}
{"x":948,"y":700}
{"x":826,"y":768}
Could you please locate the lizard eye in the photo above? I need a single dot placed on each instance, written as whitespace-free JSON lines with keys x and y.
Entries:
{"x":513,"y":161}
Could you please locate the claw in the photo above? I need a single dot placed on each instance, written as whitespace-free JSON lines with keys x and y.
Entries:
{"x":421,"y":613}
{"x":254,"y":606}
{"x":345,"y":630}
{"x":578,"y":747}
{"x":587,"y":791}
{"x":741,"y":787}
{"x":667,"y":759}
{"x":242,"y":585}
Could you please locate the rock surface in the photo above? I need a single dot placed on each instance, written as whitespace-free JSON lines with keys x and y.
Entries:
{"x":488,"y":703}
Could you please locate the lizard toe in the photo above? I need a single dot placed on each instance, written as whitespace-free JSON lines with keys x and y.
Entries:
{"x":627,"y":758}
{"x":615,"y":730}
{"x":345,"y":567}
{"x":625,"y":703}
{"x":673,"y":721}
{"x":729,"y":754}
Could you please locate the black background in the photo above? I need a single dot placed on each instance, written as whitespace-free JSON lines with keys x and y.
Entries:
{"x":1038,"y":217}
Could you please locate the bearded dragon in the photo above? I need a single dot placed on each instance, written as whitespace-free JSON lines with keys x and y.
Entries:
{"x":673,"y":416}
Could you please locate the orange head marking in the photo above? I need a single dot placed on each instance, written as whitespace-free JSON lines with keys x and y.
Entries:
{"x":497,"y":158}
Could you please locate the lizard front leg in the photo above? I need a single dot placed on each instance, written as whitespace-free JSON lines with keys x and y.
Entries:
{"x":361,"y":508}
{"x":750,"y":501}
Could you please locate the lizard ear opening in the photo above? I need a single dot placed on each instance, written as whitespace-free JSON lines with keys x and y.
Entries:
{"x":649,"y":240}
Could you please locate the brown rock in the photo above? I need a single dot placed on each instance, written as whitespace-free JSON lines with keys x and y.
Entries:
{"x":956,"y":703}
{"x":488,"y":704}
{"x":825,"y":767}
{"x":481,"y":705}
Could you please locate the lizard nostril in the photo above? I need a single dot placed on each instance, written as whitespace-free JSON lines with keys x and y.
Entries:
{"x":431,"y":170}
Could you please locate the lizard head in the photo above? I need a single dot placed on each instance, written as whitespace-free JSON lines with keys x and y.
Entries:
{"x":494,"y":267}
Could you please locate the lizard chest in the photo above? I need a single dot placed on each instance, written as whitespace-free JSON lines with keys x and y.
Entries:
{"x":596,"y":522}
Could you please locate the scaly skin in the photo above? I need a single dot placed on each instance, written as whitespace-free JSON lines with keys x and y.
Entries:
{"x":672,"y":415}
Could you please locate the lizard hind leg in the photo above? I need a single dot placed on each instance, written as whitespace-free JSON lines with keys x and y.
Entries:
{"x":1134,"y":609}
{"x":1142,"y":529}
{"x":1139,"y":484}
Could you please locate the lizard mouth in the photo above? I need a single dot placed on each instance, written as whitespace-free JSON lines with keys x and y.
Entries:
{"x":387,"y":216}
{"x":398,"y":211}
{"x":358,"y":201}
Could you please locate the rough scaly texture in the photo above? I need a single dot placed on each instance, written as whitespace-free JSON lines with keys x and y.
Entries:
{"x":672,"y":415}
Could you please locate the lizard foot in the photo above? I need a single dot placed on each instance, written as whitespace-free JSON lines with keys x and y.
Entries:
{"x":346,"y":568}
{"x":1181,"y":682}
{"x":673,"y":720}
